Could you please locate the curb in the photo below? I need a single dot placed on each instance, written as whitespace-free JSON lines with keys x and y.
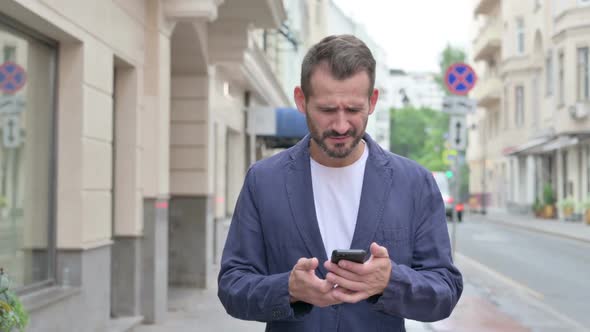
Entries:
{"x":539,"y":230}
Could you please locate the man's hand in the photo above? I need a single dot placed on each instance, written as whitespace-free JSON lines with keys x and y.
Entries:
{"x":305,"y":286}
{"x":357,"y":282}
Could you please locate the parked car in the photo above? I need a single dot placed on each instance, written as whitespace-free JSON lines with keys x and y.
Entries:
{"x":445,"y":190}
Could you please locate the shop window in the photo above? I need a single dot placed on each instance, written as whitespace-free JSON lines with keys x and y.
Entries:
{"x":27,"y":67}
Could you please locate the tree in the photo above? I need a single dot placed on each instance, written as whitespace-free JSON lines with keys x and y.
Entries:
{"x":418,"y":134}
{"x":448,"y":56}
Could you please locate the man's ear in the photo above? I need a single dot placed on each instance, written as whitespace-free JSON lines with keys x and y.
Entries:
{"x":299,"y":99}
{"x":373,"y":101}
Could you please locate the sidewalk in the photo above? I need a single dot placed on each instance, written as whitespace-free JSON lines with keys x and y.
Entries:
{"x":478,"y":310}
{"x":573,"y":230}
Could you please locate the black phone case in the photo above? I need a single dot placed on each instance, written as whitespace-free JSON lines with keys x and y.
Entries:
{"x":353,"y":255}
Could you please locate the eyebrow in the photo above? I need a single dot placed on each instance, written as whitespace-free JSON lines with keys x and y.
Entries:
{"x":328,"y":106}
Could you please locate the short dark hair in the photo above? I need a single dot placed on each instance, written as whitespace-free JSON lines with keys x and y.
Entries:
{"x":345,"y":55}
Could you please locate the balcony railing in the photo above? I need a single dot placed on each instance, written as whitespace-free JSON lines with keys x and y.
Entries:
{"x":488,"y":91}
{"x":488,"y":41}
{"x":485,"y":7}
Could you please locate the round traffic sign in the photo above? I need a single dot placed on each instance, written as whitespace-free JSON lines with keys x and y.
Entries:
{"x":460,"y":78}
{"x":12,"y":77}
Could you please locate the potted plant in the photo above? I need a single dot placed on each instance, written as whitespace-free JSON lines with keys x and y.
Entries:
{"x":549,"y":201}
{"x":13,"y":316}
{"x":586,"y":210}
{"x":537,"y":208}
{"x":567,"y":206}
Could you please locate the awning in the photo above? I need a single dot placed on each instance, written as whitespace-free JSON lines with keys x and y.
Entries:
{"x":560,"y":143}
{"x":529,"y":147}
{"x":290,"y":123}
{"x":281,"y":127}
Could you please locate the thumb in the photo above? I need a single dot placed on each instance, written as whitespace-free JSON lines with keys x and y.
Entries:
{"x":378,"y":251}
{"x":306,"y":264}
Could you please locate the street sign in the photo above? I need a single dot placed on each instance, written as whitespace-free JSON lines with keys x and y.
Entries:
{"x":460,"y":78}
{"x":10,"y":104}
{"x":449,"y":155}
{"x":11,"y":131}
{"x":458,"y":133}
{"x":12,"y":77}
{"x":458,"y":105}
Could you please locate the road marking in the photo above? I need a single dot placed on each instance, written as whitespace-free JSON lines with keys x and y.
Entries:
{"x":523,"y":288}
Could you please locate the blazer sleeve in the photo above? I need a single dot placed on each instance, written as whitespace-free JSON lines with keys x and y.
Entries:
{"x":245,"y":288}
{"x":430,"y":288}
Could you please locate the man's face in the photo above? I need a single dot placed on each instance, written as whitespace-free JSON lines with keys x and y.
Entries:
{"x":337,"y":111}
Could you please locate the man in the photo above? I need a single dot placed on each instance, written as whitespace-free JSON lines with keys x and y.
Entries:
{"x":337,"y":189}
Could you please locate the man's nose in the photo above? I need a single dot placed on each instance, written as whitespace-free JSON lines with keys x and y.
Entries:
{"x":341,"y":124}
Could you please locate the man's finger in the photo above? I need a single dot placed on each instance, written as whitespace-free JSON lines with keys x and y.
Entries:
{"x":324,"y":286}
{"x":306,"y":264}
{"x":345,"y":283}
{"x":379,"y":251}
{"x":348,"y":296}
{"x":348,"y":274}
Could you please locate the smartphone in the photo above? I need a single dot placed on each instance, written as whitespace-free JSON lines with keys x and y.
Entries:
{"x":353,"y":255}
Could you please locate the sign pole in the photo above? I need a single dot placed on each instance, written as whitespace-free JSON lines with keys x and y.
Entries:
{"x":460,"y":78}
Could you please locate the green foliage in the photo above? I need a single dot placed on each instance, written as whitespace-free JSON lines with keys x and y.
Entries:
{"x":537,"y":205}
{"x":464,"y":190}
{"x":418,"y":134}
{"x":12,"y":314}
{"x":586,"y":204}
{"x":567,"y":203}
{"x":448,"y":56}
{"x":548,"y":194}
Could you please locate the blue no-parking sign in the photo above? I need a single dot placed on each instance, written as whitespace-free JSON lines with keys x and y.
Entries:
{"x":12,"y":77}
{"x":460,"y":78}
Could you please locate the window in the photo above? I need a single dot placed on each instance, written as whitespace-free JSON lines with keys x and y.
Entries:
{"x":549,"y":75}
{"x":564,"y":166}
{"x":583,"y":72}
{"x":27,"y":249}
{"x":537,"y":4}
{"x":519,"y":36}
{"x":583,"y":2}
{"x":535,"y":100}
{"x":561,"y":82}
{"x":506,"y":106}
{"x":519,"y":106}
{"x":9,"y":53}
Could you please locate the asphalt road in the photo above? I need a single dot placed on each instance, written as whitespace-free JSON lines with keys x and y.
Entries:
{"x":553,"y":270}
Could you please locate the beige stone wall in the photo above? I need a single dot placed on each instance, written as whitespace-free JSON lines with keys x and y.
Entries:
{"x":89,"y":44}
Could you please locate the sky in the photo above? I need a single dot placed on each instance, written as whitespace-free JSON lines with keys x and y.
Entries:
{"x":414,"y":32}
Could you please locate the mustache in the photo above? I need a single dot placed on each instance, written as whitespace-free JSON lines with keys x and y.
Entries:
{"x":333,"y":133}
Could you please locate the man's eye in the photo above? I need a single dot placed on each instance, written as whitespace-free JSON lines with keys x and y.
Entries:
{"x":354,"y":110}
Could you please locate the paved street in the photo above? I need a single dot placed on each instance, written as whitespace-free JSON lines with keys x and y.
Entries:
{"x":542,"y":265}
{"x":517,"y":278}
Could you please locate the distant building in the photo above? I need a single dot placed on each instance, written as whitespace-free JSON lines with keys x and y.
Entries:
{"x":415,"y":89}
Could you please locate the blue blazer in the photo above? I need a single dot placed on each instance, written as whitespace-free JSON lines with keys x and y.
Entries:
{"x":274,"y":224}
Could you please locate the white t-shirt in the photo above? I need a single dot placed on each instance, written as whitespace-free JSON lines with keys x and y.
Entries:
{"x":337,"y":196}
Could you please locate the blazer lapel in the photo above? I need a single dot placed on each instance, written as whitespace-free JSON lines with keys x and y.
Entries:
{"x":376,"y":189}
{"x":301,"y":200}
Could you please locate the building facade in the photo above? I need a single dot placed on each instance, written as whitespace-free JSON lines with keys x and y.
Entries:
{"x":532,"y":127}
{"x":125,"y":141}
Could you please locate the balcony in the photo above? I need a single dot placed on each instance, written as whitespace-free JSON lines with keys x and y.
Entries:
{"x":488,"y":91}
{"x":485,"y":7}
{"x":489,"y":41}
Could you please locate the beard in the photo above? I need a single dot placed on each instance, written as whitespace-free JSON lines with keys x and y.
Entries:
{"x":339,"y":150}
